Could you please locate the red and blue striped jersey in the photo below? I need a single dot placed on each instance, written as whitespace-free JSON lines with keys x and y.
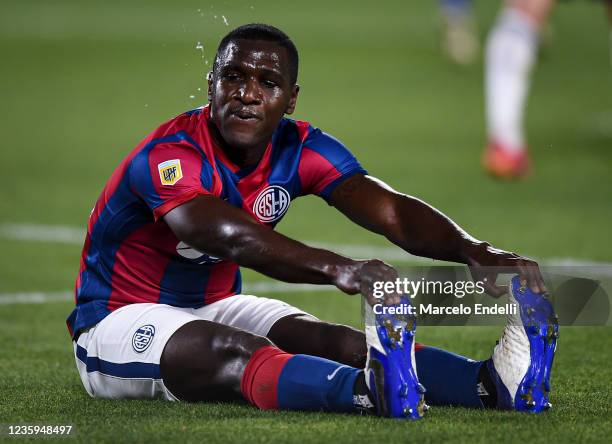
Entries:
{"x":131,"y":255}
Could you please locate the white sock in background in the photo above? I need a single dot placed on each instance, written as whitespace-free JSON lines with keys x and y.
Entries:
{"x":511,"y":49}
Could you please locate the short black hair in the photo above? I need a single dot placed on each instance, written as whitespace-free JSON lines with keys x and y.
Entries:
{"x":268,"y":33}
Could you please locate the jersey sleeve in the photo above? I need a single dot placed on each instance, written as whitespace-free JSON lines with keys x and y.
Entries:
{"x":325,"y":162}
{"x":170,"y":173}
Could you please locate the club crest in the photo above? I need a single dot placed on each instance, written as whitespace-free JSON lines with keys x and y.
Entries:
{"x":170,"y":171}
{"x":143,"y":338}
{"x":271,"y":204}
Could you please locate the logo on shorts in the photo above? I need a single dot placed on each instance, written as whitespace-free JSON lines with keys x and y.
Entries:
{"x":271,"y":204}
{"x":143,"y":338}
{"x":170,"y":171}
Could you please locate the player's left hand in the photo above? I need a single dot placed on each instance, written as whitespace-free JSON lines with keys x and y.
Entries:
{"x":487,"y":262}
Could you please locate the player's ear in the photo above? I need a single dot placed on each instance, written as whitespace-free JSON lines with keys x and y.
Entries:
{"x":293,"y":100}
{"x":209,"y":77}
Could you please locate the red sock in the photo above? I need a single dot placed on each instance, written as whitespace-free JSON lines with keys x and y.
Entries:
{"x":259,"y":383}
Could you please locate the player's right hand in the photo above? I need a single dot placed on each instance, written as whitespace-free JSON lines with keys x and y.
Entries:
{"x":360,"y":278}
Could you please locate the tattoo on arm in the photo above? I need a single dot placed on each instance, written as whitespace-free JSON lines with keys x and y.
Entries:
{"x":349,"y":187}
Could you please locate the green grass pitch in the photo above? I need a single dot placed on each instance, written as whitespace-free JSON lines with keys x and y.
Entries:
{"x":83,"y":82}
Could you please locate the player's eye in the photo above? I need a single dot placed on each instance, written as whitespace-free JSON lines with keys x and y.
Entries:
{"x":269,"y":83}
{"x":231,"y":76}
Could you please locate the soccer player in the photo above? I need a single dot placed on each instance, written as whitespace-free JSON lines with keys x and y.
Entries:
{"x":159,"y":310}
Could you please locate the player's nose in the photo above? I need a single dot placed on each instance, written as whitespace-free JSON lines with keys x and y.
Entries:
{"x":249,"y":92}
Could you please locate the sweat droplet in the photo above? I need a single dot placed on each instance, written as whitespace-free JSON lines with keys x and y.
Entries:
{"x":225,"y":20}
{"x":200,"y":47}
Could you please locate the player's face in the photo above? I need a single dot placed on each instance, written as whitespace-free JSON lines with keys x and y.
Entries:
{"x":250,"y":91}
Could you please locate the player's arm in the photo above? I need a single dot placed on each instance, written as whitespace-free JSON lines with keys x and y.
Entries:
{"x":211,"y":225}
{"x":422,"y":230}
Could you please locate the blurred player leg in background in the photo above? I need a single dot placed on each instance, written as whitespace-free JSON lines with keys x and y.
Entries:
{"x":510,"y":55}
{"x":459,"y":39}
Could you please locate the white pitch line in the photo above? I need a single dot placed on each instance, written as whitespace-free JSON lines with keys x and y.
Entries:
{"x":35,"y":297}
{"x":38,"y":297}
{"x":43,"y":233}
{"x":75,"y":236}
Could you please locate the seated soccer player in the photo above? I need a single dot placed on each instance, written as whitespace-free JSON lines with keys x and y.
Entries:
{"x":159,"y":310}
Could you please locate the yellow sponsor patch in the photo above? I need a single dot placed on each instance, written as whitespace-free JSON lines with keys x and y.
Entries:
{"x":170,"y":171}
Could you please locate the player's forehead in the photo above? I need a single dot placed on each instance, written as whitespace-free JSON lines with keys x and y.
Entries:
{"x":254,"y":54}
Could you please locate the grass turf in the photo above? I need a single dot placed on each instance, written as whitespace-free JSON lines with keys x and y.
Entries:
{"x":83,"y":82}
{"x":40,"y":384}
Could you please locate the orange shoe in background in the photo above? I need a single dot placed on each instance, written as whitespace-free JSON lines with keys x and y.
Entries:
{"x":506,"y":164}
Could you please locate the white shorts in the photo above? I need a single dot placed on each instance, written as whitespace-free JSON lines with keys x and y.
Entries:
{"x":119,"y":357}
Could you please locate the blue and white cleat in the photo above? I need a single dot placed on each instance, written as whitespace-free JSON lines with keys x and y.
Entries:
{"x":522,"y":359}
{"x":390,"y":371}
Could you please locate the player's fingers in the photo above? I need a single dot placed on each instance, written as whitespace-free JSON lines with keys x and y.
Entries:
{"x":491,"y":287}
{"x":392,"y":299}
{"x":530,"y":272}
{"x":539,"y":279}
{"x":371,"y":299}
{"x":541,"y":282}
{"x":496,"y":291}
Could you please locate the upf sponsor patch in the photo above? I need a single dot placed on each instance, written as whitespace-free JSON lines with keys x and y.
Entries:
{"x":170,"y":171}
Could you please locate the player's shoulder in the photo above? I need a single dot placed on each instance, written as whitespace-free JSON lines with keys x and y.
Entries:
{"x":185,"y":123}
{"x":177,"y":138}
{"x":181,"y":129}
{"x":312,"y":137}
{"x":306,"y":132}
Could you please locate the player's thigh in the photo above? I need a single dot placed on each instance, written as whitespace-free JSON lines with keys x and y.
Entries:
{"x":289,"y":328}
{"x":253,"y":314}
{"x":120,"y":356}
{"x":205,"y":360}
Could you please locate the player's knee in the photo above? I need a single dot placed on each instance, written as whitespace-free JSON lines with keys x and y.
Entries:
{"x":234,"y":343}
{"x":204,"y":361}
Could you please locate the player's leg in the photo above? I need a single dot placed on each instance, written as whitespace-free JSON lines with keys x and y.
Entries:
{"x":510,"y":54}
{"x":516,"y":377}
{"x":207,"y":361}
{"x":145,"y":351}
{"x":289,"y":328}
{"x":459,"y":39}
{"x":293,"y":330}
{"x":303,"y":333}
{"x":450,"y":379}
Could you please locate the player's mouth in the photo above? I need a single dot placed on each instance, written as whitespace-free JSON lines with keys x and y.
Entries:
{"x":245,"y":115}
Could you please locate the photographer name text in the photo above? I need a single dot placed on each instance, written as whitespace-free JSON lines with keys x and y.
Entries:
{"x":430,"y":309}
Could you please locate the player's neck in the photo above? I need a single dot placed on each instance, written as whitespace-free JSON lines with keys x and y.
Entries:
{"x":242,"y":157}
